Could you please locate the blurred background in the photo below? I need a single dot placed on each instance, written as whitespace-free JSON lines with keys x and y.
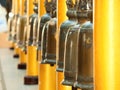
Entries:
{"x":5,"y":8}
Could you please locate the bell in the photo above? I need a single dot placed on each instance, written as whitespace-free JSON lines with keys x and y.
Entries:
{"x":35,"y":28}
{"x":85,"y":57}
{"x":71,"y":56}
{"x":10,"y":29}
{"x":84,"y":77}
{"x":78,"y":60}
{"x":10,"y":19}
{"x":10,"y":25}
{"x":44,"y":18}
{"x":62,"y":34}
{"x":48,"y":42}
{"x":31,"y":24}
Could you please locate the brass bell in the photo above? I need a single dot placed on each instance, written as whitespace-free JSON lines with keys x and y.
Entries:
{"x":10,"y":26}
{"x":22,"y":20}
{"x":63,"y":32}
{"x":78,"y":59}
{"x":35,"y":27}
{"x":46,"y":17}
{"x":31,"y":23}
{"x":48,"y":41}
{"x":14,"y":27}
{"x":84,"y":75}
{"x":85,"y":57}
{"x":71,"y":56}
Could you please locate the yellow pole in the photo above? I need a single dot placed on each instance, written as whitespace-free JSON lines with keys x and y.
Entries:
{"x":47,"y":73}
{"x":42,"y":11}
{"x":107,"y":44}
{"x":32,"y":64}
{"x":61,"y":18}
{"x":16,"y":49}
{"x":22,"y":7}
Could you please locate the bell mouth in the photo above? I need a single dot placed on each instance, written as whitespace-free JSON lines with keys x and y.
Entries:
{"x":84,"y":86}
{"x":68,"y":82}
{"x":59,"y":69}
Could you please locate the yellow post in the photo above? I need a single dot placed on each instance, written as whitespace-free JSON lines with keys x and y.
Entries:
{"x":61,"y":18}
{"x":16,"y":49}
{"x":107,"y":44}
{"x":47,"y":73}
{"x":22,"y":7}
{"x":32,"y":64}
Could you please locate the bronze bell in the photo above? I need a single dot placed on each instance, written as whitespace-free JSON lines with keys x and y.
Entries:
{"x":10,"y":26}
{"x":48,"y":41}
{"x":45,"y":18}
{"x":22,"y":20}
{"x":35,"y":27}
{"x":14,"y":27}
{"x":31,"y":24}
{"x":78,"y":57}
{"x":71,"y":56}
{"x":85,"y":57}
{"x":71,"y":14}
{"x":85,"y":51}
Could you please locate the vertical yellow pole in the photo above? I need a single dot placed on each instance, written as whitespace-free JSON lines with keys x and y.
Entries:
{"x":47,"y":73}
{"x":107,"y":44}
{"x":61,"y":18}
{"x":16,"y":49}
{"x":32,"y":64}
{"x":22,"y":7}
{"x":23,"y":56}
{"x":42,"y":11}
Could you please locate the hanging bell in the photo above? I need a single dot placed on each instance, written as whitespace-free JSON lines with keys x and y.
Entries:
{"x":71,"y":14}
{"x":31,"y":24}
{"x":35,"y":26}
{"x":14,"y":27}
{"x":84,"y":75}
{"x":71,"y":56}
{"x":85,"y":57}
{"x":22,"y":20}
{"x":48,"y":41}
{"x":10,"y":26}
{"x":46,"y":17}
